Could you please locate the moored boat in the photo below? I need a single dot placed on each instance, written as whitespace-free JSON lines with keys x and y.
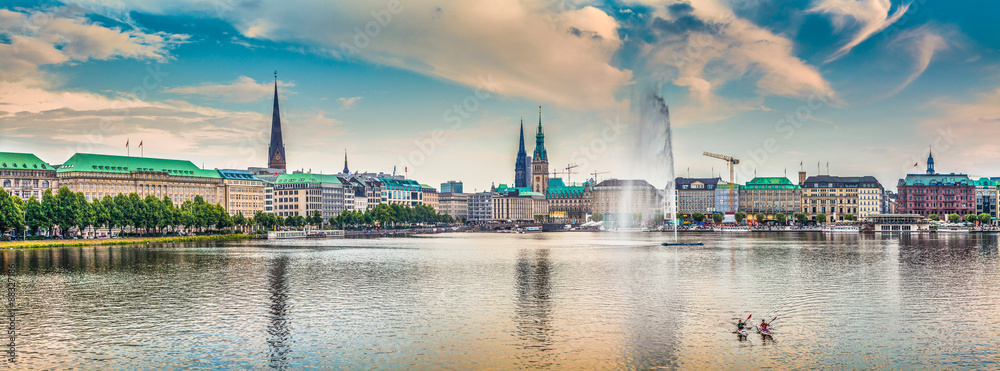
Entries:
{"x":731,"y":229}
{"x":842,"y":229}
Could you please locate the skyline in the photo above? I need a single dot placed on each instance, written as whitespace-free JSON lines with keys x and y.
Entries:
{"x":881,"y":82}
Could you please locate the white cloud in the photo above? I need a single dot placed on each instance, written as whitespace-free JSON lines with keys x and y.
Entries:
{"x":348,"y":103}
{"x":966,"y":132}
{"x":871,"y":17}
{"x":708,"y":46}
{"x":922,"y":44}
{"x":243,"y":90}
{"x":531,"y":50}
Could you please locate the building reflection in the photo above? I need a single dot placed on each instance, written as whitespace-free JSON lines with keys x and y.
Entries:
{"x":534,"y":307}
{"x":279,"y":334}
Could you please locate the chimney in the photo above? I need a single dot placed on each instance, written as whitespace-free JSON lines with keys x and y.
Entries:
{"x":802,"y":177}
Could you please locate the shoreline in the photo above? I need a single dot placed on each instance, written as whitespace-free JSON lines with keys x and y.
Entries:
{"x":14,"y":245}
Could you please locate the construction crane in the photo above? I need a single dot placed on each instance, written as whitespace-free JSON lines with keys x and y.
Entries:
{"x":595,"y":173}
{"x":732,"y":162}
{"x":569,"y":173}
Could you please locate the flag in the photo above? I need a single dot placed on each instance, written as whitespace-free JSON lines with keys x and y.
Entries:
{"x":126,"y":143}
{"x":140,"y":143}
{"x":916,"y":164}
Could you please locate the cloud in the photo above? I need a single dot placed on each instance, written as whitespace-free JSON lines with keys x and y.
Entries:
{"x":348,"y":103}
{"x":703,"y":45}
{"x":922,"y":44}
{"x":62,"y":35}
{"x":561,"y":55}
{"x":966,"y":132}
{"x":243,"y":90}
{"x":870,"y":16}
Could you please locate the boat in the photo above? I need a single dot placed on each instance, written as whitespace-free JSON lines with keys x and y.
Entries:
{"x":842,"y":229}
{"x":764,"y":332}
{"x":953,"y":229}
{"x":731,"y":229}
{"x":682,"y":244}
{"x":628,"y":229}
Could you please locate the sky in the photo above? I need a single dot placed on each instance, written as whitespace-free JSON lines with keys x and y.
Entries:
{"x":437,"y":89}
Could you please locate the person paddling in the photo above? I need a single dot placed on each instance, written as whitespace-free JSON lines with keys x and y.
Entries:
{"x":763,"y":326}
{"x":741,"y":325}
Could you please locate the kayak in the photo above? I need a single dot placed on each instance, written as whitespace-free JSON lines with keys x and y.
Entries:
{"x":682,"y":244}
{"x":764,"y":331}
{"x":742,"y":332}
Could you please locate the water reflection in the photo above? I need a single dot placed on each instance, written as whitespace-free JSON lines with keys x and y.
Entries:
{"x":534,"y":307}
{"x":279,"y":335}
{"x":11,"y":312}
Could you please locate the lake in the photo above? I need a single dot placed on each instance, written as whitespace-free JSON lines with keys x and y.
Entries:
{"x":504,"y":301}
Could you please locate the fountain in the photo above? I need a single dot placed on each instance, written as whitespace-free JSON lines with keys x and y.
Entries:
{"x":653,"y":146}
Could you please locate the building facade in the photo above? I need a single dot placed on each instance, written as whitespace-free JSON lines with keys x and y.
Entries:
{"x":515,"y":205}
{"x":401,"y":192}
{"x":26,"y":176}
{"x":452,"y":186}
{"x":480,"y":207}
{"x":454,"y":204}
{"x":986,"y":197}
{"x":244,"y":192}
{"x":723,"y":193}
{"x":105,"y":175}
{"x":624,"y":202}
{"x":569,"y":204}
{"x":696,"y":195}
{"x":429,"y":196}
{"x":838,"y":196}
{"x":770,"y":196}
{"x":303,"y":194}
{"x":932,"y":193}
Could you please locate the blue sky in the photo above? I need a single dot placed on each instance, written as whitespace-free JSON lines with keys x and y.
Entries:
{"x":869,"y":84}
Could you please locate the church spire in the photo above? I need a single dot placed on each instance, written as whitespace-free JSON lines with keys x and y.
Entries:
{"x":540,"y":153}
{"x":930,"y":161}
{"x":521,"y":164}
{"x":346,"y":170}
{"x":276,"y":151}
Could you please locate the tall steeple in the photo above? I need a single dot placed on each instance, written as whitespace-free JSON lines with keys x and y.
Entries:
{"x":521,"y":165}
{"x":276,"y":151}
{"x":346,"y":170}
{"x":930,"y":161}
{"x":540,"y":161}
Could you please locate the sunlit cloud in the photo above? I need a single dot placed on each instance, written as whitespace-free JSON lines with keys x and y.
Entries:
{"x":869,"y":16}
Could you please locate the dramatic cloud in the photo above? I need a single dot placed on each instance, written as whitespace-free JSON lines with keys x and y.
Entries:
{"x":348,"y":103}
{"x":869,"y":16}
{"x":243,"y":90}
{"x":921,"y":43}
{"x":703,"y":45}
{"x":528,"y":48}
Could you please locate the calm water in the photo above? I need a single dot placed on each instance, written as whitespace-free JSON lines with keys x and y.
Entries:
{"x":502,"y":301}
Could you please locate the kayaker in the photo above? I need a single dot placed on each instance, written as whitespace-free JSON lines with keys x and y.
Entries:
{"x":763,"y":325}
{"x":740,"y":325}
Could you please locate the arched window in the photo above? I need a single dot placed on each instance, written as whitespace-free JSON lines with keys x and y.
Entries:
{"x":6,"y":183}
{"x":45,"y":184}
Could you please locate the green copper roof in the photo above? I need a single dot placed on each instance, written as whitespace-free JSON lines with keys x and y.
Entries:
{"x":770,"y":183}
{"x":936,"y":179}
{"x":985,"y":182}
{"x":425,"y":187}
{"x":529,"y":194}
{"x":92,"y":163}
{"x":503,"y":188}
{"x":556,"y":182}
{"x":306,"y":178}
{"x":22,"y":161}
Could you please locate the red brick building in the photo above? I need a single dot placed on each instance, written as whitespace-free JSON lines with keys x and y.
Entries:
{"x":932,"y":193}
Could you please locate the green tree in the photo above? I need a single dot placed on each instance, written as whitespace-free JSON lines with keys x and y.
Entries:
{"x":971,"y":218}
{"x":698,"y":217}
{"x":718,"y":218}
{"x":11,"y":215}
{"x":984,"y":218}
{"x":780,"y":218}
{"x":49,"y":209}
{"x":34,"y":216}
{"x":85,"y":216}
{"x":597,"y":217}
{"x":850,"y":217}
{"x":316,"y":219}
{"x":239,"y":220}
{"x":821,"y":218}
{"x":102,"y":216}
{"x":933,"y":217}
{"x":760,"y":217}
{"x":954,"y":218}
{"x":740,"y":217}
{"x":801,"y":218}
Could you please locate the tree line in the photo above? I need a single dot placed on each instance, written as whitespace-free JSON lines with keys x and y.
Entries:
{"x":72,"y":212}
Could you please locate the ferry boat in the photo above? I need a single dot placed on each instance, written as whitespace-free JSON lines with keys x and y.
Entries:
{"x":842,"y":229}
{"x":953,"y":229}
{"x":282,"y":235}
{"x":733,"y":228}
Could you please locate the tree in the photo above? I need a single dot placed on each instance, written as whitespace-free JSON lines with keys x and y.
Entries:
{"x":850,"y":217}
{"x":34,"y":215}
{"x":597,"y":217}
{"x":11,"y":215}
{"x":316,"y":219}
{"x":801,"y":218}
{"x":698,"y":217}
{"x":239,"y":220}
{"x":740,"y":217}
{"x":760,"y":217}
{"x":971,"y":218}
{"x":780,"y":218}
{"x":718,"y":218}
{"x":933,"y":217}
{"x":954,"y":218}
{"x":821,"y":218}
{"x":984,"y":218}
{"x":85,"y":216}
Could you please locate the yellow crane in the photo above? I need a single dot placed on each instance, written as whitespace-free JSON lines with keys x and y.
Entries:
{"x":732,"y":162}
